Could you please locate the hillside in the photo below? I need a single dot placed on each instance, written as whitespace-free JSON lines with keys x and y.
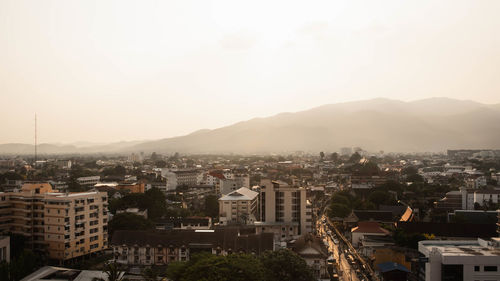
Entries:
{"x":430,"y":125}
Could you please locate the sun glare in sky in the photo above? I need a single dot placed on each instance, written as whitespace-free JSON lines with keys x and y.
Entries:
{"x":107,"y":71}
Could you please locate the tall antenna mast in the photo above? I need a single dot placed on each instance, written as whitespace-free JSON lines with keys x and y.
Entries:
{"x":35,"y":141}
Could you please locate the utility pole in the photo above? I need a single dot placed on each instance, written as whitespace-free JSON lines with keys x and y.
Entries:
{"x":35,"y":141}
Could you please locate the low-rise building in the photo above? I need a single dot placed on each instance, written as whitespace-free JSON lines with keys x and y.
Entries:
{"x":88,"y":181}
{"x":366,"y":228}
{"x":135,"y":211}
{"x":238,"y":207}
{"x":161,"y":248}
{"x":461,"y":260}
{"x":480,"y":196}
{"x":314,"y":252}
{"x":184,"y":223}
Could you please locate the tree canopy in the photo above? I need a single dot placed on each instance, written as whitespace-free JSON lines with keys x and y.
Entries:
{"x":270,"y":266}
{"x":129,"y":221}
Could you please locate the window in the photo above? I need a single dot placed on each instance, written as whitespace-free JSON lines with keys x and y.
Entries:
{"x":490,"y":268}
{"x":477,"y":268}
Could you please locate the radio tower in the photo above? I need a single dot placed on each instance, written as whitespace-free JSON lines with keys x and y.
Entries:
{"x":35,"y":142}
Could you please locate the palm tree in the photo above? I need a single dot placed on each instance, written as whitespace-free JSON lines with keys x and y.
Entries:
{"x":149,"y":274}
{"x":112,"y":270}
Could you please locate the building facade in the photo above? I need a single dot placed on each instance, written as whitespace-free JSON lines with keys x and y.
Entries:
{"x":482,"y":197}
{"x":162,"y":248}
{"x":284,"y":210}
{"x":238,"y":207}
{"x":63,"y":225}
{"x":460,"y":260}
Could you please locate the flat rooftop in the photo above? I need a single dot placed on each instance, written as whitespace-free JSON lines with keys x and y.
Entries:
{"x":462,"y":248}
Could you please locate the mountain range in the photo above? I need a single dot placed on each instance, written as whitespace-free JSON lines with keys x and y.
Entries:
{"x":428,"y":125}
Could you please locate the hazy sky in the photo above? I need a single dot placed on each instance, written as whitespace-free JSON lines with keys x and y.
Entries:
{"x":108,"y":71}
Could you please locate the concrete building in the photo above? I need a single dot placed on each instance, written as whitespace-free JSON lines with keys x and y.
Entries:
{"x":88,"y":181}
{"x":161,"y":248}
{"x":181,"y":178}
{"x":367,"y":228}
{"x":232,"y":184}
{"x":135,"y":211}
{"x":460,"y":260}
{"x":184,"y":223}
{"x":4,"y":249}
{"x":65,"y":225}
{"x":314,"y":252}
{"x":284,"y":210}
{"x":476,"y":183}
{"x":134,"y":187}
{"x":472,"y":196}
{"x":52,"y":273}
{"x":238,"y":207}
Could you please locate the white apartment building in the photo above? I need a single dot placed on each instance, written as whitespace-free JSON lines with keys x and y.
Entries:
{"x":478,"y":182}
{"x":472,"y":196}
{"x":468,"y":260}
{"x":88,"y":181}
{"x":239,"y":206}
{"x":181,"y":178}
{"x":284,"y":210}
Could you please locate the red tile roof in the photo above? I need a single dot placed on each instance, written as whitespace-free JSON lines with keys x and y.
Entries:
{"x":369,"y":227}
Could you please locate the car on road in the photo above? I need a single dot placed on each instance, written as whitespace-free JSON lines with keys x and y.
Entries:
{"x":335,"y":241}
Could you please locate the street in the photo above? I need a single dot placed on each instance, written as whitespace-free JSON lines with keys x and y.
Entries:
{"x":348,"y":264}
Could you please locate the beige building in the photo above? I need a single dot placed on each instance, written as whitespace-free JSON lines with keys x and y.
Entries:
{"x":239,"y":206}
{"x":65,"y":225}
{"x":148,"y":248}
{"x":284,"y":210}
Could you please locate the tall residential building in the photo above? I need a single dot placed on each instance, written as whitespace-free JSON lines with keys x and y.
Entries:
{"x":238,"y":207}
{"x":64,"y":225}
{"x":284,"y":210}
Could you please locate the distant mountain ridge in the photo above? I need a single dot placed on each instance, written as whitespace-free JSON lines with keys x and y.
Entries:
{"x":429,"y":125}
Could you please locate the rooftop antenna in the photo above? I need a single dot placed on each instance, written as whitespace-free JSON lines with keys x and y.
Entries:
{"x":35,"y":142}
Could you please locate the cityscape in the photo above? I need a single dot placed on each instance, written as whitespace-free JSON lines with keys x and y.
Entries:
{"x":249,"y":140}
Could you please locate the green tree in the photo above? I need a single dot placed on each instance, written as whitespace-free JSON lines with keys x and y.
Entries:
{"x":19,"y":266}
{"x":129,"y":221}
{"x":340,"y":199}
{"x":113,"y":272}
{"x":208,"y":267}
{"x":285,"y":265}
{"x":338,"y":210}
{"x":161,"y":164}
{"x":322,"y":155}
{"x":379,"y":197}
{"x":156,"y":203}
{"x":212,"y":206}
{"x":355,"y":157}
{"x":334,"y":157}
{"x":149,"y":274}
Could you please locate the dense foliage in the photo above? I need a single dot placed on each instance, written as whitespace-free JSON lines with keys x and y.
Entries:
{"x":271,"y":266}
